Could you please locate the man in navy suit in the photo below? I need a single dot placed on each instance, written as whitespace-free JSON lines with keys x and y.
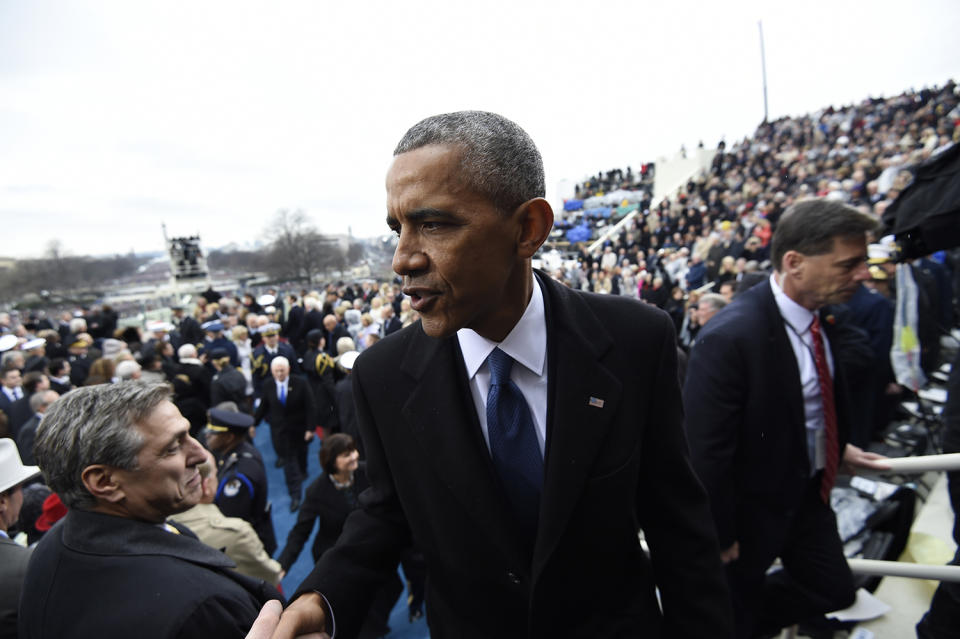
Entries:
{"x":592,"y":384}
{"x":287,"y":403}
{"x":768,"y":420}
{"x":10,"y":389}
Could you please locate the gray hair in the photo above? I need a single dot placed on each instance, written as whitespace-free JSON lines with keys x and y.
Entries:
{"x":345,"y":344}
{"x":716,"y":302}
{"x":280,"y":359}
{"x":499,"y":160}
{"x":93,"y":425}
{"x":8,"y":359}
{"x":42,"y":399}
{"x":187,"y":351}
{"x":810,"y":226}
{"x":126,"y":369}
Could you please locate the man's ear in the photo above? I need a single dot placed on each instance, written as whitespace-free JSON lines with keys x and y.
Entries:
{"x":536,"y":222}
{"x":103,"y":482}
{"x":792,"y":264}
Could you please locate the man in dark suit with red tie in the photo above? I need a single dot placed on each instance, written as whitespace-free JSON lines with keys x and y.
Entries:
{"x":287,"y":404}
{"x":767,"y":419}
{"x":522,"y":433}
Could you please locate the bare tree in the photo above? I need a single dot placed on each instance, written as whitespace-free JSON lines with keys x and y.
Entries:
{"x":355,"y":253}
{"x":63,"y":273}
{"x":297,"y":249}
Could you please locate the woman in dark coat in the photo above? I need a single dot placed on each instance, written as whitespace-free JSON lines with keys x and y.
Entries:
{"x":330,"y":498}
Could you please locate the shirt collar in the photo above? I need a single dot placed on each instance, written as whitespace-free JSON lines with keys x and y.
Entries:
{"x":526,"y":343}
{"x":797,"y":316}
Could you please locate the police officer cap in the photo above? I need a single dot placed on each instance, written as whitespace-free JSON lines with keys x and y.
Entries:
{"x":212,"y":326}
{"x":269,"y":330}
{"x":315,"y":335}
{"x":219,"y":353}
{"x":75,"y":341}
{"x":226,"y":420}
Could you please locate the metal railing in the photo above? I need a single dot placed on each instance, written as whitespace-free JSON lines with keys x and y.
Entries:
{"x":898,"y":465}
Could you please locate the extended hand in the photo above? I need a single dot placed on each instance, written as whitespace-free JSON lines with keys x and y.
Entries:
{"x":267,"y":621}
{"x":854,"y":458}
{"x":307,"y":435}
{"x":304,"y":615}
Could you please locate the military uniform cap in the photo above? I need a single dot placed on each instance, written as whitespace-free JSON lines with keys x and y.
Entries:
{"x":75,"y":341}
{"x":269,"y":330}
{"x":222,"y":421}
{"x":212,"y":326}
{"x":34,"y":343}
{"x":7,"y":342}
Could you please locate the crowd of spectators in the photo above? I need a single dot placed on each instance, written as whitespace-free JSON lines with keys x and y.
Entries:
{"x":717,"y":227}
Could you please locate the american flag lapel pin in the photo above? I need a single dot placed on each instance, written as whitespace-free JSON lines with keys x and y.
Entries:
{"x":596,"y":402}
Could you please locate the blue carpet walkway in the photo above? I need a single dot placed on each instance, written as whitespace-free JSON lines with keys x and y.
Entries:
{"x":283,"y":521}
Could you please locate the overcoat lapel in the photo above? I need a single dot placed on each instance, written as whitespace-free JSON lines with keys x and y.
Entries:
{"x":584,"y":401}
{"x":441,"y":416}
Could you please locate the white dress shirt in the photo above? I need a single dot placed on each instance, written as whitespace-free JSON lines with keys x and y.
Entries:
{"x":527,"y":345}
{"x":797,"y":321}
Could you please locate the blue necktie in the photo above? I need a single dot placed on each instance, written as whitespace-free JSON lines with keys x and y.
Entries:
{"x":283,"y":394}
{"x":513,"y":445}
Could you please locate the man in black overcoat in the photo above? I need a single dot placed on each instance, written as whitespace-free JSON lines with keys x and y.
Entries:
{"x":121,"y":458}
{"x":546,"y":545}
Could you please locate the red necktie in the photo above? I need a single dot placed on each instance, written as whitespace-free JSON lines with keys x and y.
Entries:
{"x":831,"y":445}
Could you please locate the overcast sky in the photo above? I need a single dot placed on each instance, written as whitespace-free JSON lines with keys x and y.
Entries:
{"x":211,"y":116}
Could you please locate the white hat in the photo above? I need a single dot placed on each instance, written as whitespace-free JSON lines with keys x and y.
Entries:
{"x":156,"y":326}
{"x":884,"y":251}
{"x":36,"y":342}
{"x":266,"y":299}
{"x":7,"y":342}
{"x":347,"y":359}
{"x":12,"y":470}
